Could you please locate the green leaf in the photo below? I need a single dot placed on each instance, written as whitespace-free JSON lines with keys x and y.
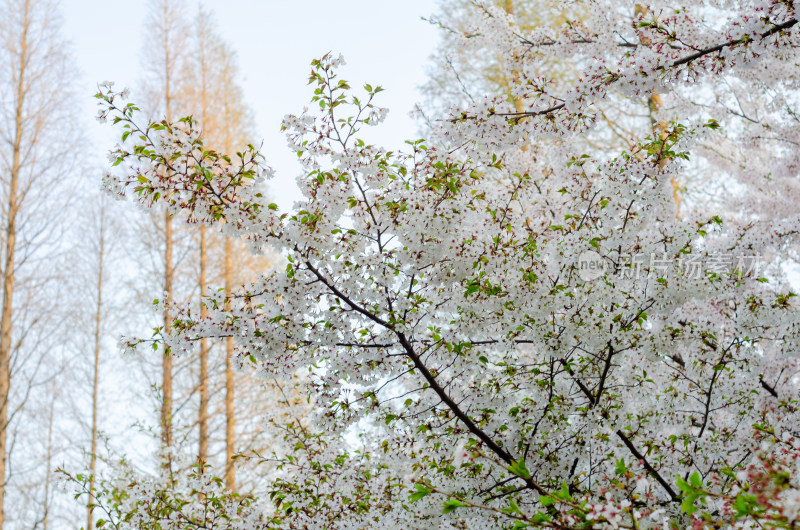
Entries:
{"x":746,"y":504}
{"x":520,"y":469}
{"x":688,"y":504}
{"x":565,"y":491}
{"x":451,"y":505}
{"x":421,"y":492}
{"x":684,"y":486}
{"x":621,"y":469}
{"x":513,"y":508}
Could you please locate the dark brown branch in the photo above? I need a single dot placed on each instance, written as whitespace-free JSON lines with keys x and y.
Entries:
{"x":710,"y":392}
{"x":765,"y":386}
{"x":719,"y":47}
{"x":357,"y":308}
{"x":461,"y":415}
{"x":493,"y":446}
{"x":679,"y":62}
{"x":604,"y":375}
{"x":583,"y":387}
{"x":432,"y":382}
{"x":650,"y":469}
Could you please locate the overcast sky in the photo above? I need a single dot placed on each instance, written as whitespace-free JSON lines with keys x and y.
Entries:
{"x":384,"y":43}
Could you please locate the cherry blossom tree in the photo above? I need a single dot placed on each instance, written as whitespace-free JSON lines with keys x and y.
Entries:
{"x":506,"y":337}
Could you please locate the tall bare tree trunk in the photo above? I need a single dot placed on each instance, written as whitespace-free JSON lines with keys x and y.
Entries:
{"x":166,"y":375}
{"x":95,"y":378}
{"x":210,"y":93}
{"x":37,"y":147}
{"x":230,"y":471}
{"x":8,"y":271}
{"x":203,"y":412}
{"x":46,"y":507}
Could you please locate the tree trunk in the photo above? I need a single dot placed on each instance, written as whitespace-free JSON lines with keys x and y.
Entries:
{"x":46,"y":508}
{"x":203,"y":412}
{"x":166,"y":374}
{"x":518,"y":105}
{"x":8,"y":272}
{"x":659,"y":127}
{"x":230,"y":472}
{"x":95,"y":381}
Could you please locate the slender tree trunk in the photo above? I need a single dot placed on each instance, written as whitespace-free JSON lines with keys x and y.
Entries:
{"x":166,"y":371}
{"x":203,"y":412}
{"x":518,"y":105}
{"x":46,"y":508}
{"x":230,"y":471}
{"x":95,"y":380}
{"x":166,"y":375}
{"x":8,"y":272}
{"x":659,"y":127}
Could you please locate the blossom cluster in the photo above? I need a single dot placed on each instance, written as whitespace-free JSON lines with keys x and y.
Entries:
{"x":168,"y":500}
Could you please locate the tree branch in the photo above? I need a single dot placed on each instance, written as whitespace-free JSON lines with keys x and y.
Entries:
{"x":647,"y":466}
{"x":678,"y":62}
{"x":460,"y":414}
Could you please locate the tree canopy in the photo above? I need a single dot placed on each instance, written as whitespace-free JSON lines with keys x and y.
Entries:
{"x":505,"y":326}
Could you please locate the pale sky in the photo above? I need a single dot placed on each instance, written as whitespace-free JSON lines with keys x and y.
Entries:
{"x":384,"y":43}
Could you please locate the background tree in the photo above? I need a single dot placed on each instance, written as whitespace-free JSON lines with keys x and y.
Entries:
{"x":165,"y":51}
{"x":458,"y":78}
{"x":38,"y":146}
{"x":103,"y":230}
{"x":213,"y":97}
{"x":459,"y":72}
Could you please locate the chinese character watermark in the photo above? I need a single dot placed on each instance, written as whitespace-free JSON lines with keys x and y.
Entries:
{"x":591,"y":265}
